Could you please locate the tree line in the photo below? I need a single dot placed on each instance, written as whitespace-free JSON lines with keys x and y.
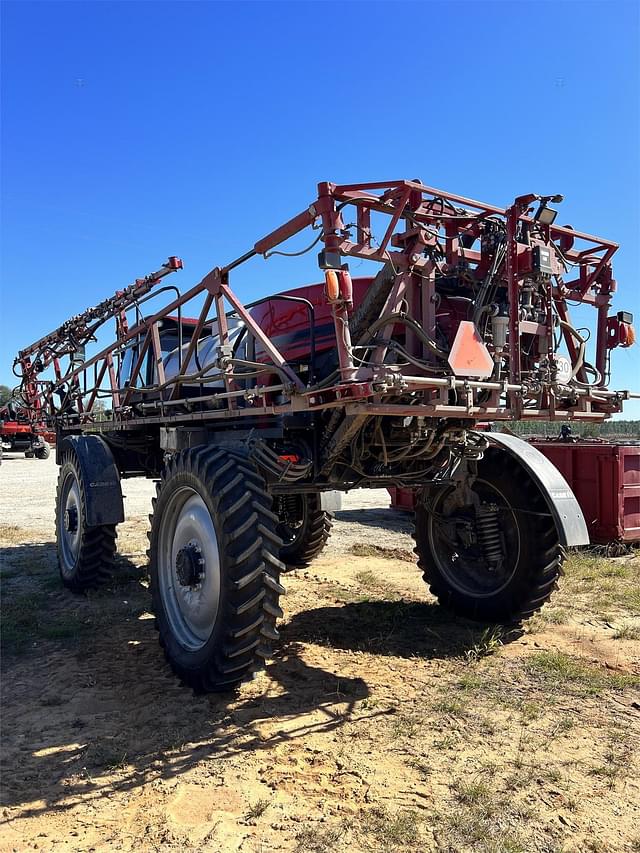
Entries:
{"x":608,"y":429}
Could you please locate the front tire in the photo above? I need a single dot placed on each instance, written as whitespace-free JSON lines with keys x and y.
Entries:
{"x":214,"y":567}
{"x":496,"y":559}
{"x":85,"y":554}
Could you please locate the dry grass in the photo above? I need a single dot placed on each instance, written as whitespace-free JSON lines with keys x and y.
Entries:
{"x":363,"y":549}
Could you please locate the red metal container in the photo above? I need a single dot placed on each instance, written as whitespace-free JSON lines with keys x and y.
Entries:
{"x":402,"y":498}
{"x":605,"y":479}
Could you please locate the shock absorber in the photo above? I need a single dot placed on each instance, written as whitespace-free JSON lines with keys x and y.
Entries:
{"x":489,"y":537}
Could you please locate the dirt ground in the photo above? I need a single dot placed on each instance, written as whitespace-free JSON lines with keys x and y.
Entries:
{"x":382,"y":724}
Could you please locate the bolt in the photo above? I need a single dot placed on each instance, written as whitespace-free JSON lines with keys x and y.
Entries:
{"x":71,"y":519}
{"x":189,"y":565}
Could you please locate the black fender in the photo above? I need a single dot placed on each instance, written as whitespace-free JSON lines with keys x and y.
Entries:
{"x":100,"y":478}
{"x":562,"y":503}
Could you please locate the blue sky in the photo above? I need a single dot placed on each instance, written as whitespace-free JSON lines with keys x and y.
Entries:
{"x":132,"y":131}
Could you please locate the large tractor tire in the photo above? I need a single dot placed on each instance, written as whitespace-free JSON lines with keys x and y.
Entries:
{"x":496,"y":558}
{"x":304,"y":529}
{"x":85,"y":554}
{"x":214,"y":567}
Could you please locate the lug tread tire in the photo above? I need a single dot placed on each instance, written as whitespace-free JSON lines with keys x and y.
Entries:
{"x":96,"y":557}
{"x":43,"y":452}
{"x":537,"y":575}
{"x":240,"y":508}
{"x":316,"y":533}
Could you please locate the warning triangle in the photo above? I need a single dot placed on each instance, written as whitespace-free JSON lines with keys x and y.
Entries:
{"x":469,"y":356}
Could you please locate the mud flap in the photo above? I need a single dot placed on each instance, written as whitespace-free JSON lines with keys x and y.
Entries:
{"x":562,"y":503}
{"x":331,"y":501}
{"x":100,"y":476}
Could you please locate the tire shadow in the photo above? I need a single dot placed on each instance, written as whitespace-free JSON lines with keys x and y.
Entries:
{"x":90,"y":707}
{"x":393,"y":520}
{"x":405,"y":629}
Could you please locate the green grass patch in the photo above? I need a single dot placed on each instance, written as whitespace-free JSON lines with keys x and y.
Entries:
{"x":627,"y":632}
{"x":613,"y":583}
{"x":479,"y":820}
{"x":27,"y":618}
{"x":562,"y":670}
{"x":389,"y":832}
{"x":488,"y":643}
{"x":314,"y":839}
{"x":449,"y":705}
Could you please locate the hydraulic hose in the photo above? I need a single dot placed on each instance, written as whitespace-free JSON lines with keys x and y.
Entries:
{"x":582,"y":344}
{"x":580,"y":362}
{"x":401,"y":317}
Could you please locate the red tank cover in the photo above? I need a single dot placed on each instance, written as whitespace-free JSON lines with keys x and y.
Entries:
{"x":287,"y":323}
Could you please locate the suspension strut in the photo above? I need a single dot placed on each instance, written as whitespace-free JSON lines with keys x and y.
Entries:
{"x":489,"y":536}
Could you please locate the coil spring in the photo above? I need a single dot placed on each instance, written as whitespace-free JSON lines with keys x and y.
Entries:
{"x":489,"y":537}
{"x":287,"y":508}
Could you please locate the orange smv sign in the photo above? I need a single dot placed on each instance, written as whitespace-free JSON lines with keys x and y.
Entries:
{"x":469,"y":356}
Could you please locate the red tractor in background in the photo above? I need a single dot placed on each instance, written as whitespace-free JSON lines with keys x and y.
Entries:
{"x":252,"y":418}
{"x":19,"y":433}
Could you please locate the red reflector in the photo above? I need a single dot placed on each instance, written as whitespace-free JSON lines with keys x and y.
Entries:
{"x":469,"y":356}
{"x":291,"y":457}
{"x":346,"y":286}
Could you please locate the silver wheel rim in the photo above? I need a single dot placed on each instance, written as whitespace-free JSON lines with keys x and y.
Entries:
{"x":451,"y":568}
{"x":70,"y":523}
{"x":191,"y":608}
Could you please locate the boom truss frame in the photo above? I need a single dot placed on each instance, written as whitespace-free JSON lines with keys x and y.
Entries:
{"x":428,"y":232}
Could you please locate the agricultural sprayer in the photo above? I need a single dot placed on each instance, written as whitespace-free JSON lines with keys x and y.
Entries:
{"x":254,"y":417}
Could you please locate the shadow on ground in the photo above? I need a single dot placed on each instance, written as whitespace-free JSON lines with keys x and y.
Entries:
{"x":395,"y":521}
{"x":396,"y":628}
{"x":91,"y":707}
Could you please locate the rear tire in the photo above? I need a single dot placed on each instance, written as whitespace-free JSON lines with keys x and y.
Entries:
{"x":85,"y":554}
{"x":44,"y":451}
{"x":304,"y":527}
{"x":214,"y":567}
{"x":460,"y":575}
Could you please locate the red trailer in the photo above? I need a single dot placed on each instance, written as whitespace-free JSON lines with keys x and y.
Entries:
{"x":604,"y":477}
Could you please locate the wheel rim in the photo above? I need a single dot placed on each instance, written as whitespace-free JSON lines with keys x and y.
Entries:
{"x":466,"y":568}
{"x":70,"y":523}
{"x":189,"y":568}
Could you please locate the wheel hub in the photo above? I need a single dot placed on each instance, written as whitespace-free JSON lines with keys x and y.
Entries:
{"x":71,"y":519}
{"x":189,"y":565}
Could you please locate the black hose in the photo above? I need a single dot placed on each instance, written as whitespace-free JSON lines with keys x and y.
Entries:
{"x":401,"y":317}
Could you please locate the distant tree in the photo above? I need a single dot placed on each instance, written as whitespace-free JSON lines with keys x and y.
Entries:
{"x":607,"y":429}
{"x":5,"y":394}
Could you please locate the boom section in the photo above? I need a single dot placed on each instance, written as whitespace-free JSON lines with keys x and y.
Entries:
{"x":465,"y":316}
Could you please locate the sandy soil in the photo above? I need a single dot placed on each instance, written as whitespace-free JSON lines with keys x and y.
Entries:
{"x":382,"y":723}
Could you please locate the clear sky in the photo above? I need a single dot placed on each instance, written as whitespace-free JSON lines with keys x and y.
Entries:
{"x":136,"y":130}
